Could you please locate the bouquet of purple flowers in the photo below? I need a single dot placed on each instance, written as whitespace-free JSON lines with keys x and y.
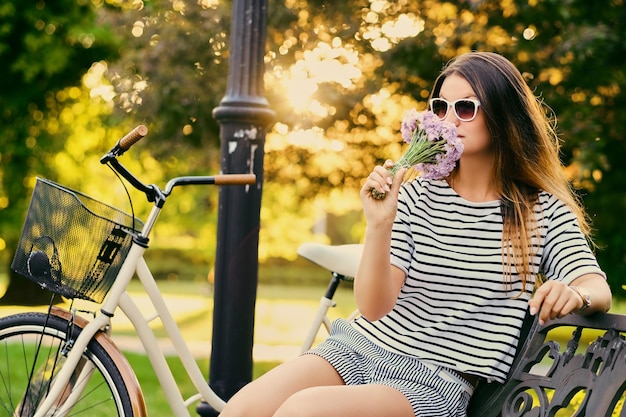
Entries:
{"x":434,"y":147}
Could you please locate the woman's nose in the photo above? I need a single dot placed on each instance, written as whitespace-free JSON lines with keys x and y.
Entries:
{"x":451,"y":117}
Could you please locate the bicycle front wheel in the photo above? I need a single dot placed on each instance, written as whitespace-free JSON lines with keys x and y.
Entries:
{"x":33,"y":347}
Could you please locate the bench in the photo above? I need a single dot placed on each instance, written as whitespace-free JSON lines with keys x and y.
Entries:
{"x":587,"y":376}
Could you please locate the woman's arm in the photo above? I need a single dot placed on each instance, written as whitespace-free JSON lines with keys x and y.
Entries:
{"x":595,"y":288}
{"x":378,"y":283}
{"x":556,"y":299}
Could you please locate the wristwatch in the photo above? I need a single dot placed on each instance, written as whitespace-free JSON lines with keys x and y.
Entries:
{"x":584,"y":295}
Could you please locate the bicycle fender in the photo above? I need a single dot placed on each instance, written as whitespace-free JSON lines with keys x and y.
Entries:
{"x":126,"y":371}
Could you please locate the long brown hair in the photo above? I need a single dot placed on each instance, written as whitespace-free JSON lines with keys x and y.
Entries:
{"x":526,"y":149}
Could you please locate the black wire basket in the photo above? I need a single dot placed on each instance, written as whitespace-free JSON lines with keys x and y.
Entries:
{"x":72,"y":244}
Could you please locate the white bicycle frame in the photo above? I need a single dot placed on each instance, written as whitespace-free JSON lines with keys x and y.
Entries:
{"x":321,"y":319}
{"x":119,"y":297}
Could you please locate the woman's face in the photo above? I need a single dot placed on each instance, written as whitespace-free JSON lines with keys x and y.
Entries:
{"x":474,"y":134}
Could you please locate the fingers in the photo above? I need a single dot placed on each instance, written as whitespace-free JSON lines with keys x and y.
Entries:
{"x":388,"y":164}
{"x":379,"y":179}
{"x":554,"y":300}
{"x":397,"y":181}
{"x":379,"y":195}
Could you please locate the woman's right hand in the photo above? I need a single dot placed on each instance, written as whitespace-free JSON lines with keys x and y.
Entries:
{"x":381,"y":211}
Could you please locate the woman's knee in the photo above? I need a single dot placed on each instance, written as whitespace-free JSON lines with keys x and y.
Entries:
{"x":238,"y":408}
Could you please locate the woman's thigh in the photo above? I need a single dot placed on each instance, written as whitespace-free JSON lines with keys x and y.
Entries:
{"x":264,"y":395}
{"x":373,"y":400}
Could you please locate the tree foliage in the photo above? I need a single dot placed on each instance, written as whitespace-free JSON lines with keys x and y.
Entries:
{"x":173,"y":71}
{"x":45,"y":46}
{"x":340,"y":76}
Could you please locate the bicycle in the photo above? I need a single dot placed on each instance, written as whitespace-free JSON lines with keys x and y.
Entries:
{"x":81,"y":248}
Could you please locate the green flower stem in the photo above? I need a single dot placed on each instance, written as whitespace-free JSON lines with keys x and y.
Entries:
{"x":420,"y":151}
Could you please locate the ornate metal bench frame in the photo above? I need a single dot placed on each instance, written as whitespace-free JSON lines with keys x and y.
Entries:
{"x":598,"y":374}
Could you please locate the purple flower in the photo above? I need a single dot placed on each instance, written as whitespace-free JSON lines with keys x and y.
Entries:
{"x":434,"y":148}
{"x":410,"y":124}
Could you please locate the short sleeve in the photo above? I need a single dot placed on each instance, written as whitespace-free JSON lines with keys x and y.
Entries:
{"x":402,"y":244}
{"x":567,"y":254}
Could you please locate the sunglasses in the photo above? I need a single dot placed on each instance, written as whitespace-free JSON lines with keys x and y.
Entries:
{"x":465,"y":109}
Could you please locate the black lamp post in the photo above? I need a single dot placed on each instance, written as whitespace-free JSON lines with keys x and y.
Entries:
{"x":244,"y":115}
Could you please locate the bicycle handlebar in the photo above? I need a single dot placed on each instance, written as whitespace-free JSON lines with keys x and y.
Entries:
{"x":133,"y":137}
{"x":221,"y":179}
{"x":125,"y":143}
{"x":152,"y":191}
{"x":235,"y":179}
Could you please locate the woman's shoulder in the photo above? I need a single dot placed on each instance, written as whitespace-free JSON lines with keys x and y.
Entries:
{"x":421,"y":185}
{"x":547,"y":199}
{"x":421,"y":189}
{"x":551,"y":206}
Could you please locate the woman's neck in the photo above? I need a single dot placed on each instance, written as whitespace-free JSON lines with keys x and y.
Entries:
{"x":474,"y":181}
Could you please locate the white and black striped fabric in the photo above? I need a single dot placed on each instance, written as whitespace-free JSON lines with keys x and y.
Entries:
{"x":454,"y":309}
{"x":431,"y":391}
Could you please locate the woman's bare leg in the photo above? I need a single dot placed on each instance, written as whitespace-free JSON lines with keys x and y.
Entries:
{"x":347,"y":401}
{"x":263,"y":396}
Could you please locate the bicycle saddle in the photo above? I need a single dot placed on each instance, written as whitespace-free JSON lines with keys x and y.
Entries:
{"x":341,"y":259}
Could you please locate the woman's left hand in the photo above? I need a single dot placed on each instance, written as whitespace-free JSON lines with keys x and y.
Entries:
{"x":554,"y":299}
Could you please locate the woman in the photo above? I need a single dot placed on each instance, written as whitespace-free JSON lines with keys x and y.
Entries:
{"x":445,"y":309}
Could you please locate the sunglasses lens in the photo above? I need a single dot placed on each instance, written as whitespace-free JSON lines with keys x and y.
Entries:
{"x":465,"y":109}
{"x":439,"y":107}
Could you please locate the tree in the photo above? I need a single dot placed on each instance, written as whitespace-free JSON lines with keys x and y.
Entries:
{"x":46,"y":46}
{"x":173,"y":71}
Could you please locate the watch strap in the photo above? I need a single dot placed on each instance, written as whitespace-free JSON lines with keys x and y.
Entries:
{"x":584,"y":295}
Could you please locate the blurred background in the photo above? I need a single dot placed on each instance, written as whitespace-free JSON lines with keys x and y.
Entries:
{"x":78,"y":74}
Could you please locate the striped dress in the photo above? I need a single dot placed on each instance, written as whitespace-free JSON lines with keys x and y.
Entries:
{"x":454,"y":309}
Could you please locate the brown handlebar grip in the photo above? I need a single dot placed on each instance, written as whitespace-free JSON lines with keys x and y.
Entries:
{"x":133,"y":137}
{"x":235,"y":179}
